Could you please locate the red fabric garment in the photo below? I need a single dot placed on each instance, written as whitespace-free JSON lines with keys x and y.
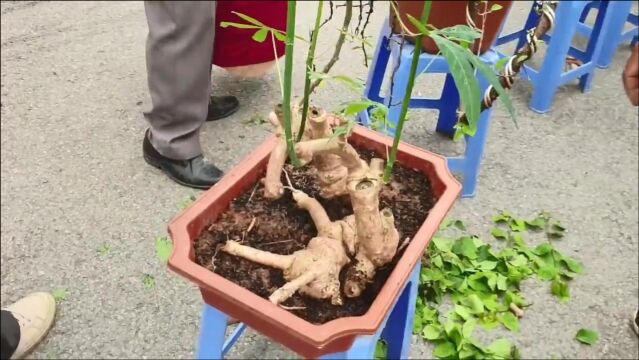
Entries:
{"x":235,"y":47}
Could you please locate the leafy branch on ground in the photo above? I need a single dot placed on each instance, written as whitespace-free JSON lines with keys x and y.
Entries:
{"x":59,"y":295}
{"x":484,"y":284}
{"x":163,"y":249}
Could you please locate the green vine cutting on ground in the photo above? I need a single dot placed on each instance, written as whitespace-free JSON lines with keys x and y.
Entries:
{"x":484,"y":285}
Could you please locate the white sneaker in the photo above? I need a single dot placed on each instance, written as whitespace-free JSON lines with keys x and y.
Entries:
{"x":35,"y":314}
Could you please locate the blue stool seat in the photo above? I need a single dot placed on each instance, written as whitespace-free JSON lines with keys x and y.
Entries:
{"x":467,"y":165}
{"x":613,"y":32}
{"x":396,"y":330}
{"x":551,"y":74}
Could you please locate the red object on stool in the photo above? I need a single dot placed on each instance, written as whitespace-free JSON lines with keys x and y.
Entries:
{"x":234,"y":49}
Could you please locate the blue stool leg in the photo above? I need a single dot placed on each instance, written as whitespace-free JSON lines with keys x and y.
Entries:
{"x":212,"y":333}
{"x":612,"y":31}
{"x":399,"y":328}
{"x":448,"y":108}
{"x":474,"y":152}
{"x":376,"y":73}
{"x":567,"y":18}
{"x":400,"y":83}
{"x":595,"y":43}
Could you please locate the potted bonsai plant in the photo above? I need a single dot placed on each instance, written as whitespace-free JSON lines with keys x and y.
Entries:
{"x":311,"y":238}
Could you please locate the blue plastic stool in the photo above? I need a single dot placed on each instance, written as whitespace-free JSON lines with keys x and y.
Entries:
{"x":613,"y":34}
{"x":551,"y":74}
{"x":468,"y":165}
{"x":396,"y":330}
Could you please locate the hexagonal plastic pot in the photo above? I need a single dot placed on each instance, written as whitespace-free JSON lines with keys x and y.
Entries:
{"x":305,"y":338}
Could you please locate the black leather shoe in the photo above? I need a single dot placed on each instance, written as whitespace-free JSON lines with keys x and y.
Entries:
{"x":221,"y":107}
{"x":196,"y":172}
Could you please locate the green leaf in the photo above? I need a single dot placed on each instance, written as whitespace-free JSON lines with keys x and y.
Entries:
{"x":260,"y":35}
{"x":465,"y":80}
{"x":499,"y":234}
{"x":501,"y":348}
{"x":445,"y":349}
{"x":489,"y":323}
{"x":572,"y":265}
{"x":468,"y":328}
{"x":163,"y":249}
{"x":462,"y":33}
{"x":518,"y":225}
{"x":280,"y":36}
{"x":474,"y":303}
{"x":538,"y":223}
{"x":489,"y":75}
{"x":59,"y":295}
{"x":466,"y":247}
{"x":357,"y":107}
{"x":462,"y":311}
{"x":459,"y":225}
{"x":502,"y":282}
{"x":501,"y":63}
{"x":487,"y":265}
{"x":547,"y":273}
{"x":381,"y":350}
{"x":560,"y":289}
{"x":519,"y":260}
{"x":503,"y":217}
{"x":495,"y":7}
{"x":510,"y":321}
{"x":442,"y":244}
{"x":104,"y":249}
{"x":226,"y":24}
{"x":586,"y":336}
{"x":149,"y":281}
{"x":422,"y":29}
{"x":432,"y":332}
{"x":543,"y":249}
{"x":514,"y":297}
{"x":249,"y":19}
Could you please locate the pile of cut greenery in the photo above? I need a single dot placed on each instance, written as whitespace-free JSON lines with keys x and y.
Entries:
{"x":484,"y":284}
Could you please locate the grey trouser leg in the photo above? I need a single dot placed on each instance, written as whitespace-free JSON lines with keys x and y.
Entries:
{"x":178,"y":56}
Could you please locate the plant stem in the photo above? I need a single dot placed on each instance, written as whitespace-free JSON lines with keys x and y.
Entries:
{"x":409,"y":89}
{"x":309,"y":66}
{"x":288,"y":82}
{"x":338,"y":45}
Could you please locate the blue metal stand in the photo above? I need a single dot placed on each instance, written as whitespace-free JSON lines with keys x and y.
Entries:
{"x":395,"y":331}
{"x":448,"y":104}
{"x":551,"y":74}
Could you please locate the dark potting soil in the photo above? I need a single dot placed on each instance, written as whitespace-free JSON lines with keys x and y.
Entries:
{"x":283,"y":228}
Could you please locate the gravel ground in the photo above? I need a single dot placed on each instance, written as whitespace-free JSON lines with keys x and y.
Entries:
{"x":73,"y":181}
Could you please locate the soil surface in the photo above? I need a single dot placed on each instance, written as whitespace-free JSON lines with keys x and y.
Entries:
{"x":281,"y":227}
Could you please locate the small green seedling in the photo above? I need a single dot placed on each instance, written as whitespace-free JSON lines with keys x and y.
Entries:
{"x":104,"y":249}
{"x":149,"y":281}
{"x":186,"y":202}
{"x":59,"y":295}
{"x":163,"y":249}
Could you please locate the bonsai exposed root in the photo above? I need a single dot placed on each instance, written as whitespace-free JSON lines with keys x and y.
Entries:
{"x":313,"y":271}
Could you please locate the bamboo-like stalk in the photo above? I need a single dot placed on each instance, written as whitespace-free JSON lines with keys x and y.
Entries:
{"x":516,"y":62}
{"x":288,"y":82}
{"x":409,"y":89}
{"x":309,"y":67}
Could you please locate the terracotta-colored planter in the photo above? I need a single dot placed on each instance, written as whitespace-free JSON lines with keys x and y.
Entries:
{"x":299,"y":335}
{"x":444,"y":14}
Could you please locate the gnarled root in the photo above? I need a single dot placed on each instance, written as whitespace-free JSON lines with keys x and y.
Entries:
{"x":313,"y":271}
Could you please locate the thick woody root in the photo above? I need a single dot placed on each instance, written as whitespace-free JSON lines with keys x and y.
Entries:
{"x":313,"y":271}
{"x":331,"y":173}
{"x":377,"y":237}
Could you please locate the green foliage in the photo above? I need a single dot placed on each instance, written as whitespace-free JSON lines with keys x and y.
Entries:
{"x":483,"y":283}
{"x":104,"y":249}
{"x":149,"y":281}
{"x":163,"y":249}
{"x":381,"y":350}
{"x":59,"y":295}
{"x":586,"y":336}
